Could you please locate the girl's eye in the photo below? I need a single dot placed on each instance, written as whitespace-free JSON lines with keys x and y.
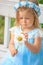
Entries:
{"x":27,"y":18}
{"x":21,"y":18}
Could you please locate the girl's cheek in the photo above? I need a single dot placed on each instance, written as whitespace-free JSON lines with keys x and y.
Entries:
{"x":20,"y":22}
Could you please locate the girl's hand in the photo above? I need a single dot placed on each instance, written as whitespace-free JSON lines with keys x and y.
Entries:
{"x":12,"y":50}
{"x":15,"y":52}
{"x":25,"y":35}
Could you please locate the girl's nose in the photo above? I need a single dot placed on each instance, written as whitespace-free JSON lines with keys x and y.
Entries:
{"x":24,"y":20}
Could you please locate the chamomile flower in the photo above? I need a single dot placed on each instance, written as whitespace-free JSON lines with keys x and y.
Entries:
{"x":19,"y":39}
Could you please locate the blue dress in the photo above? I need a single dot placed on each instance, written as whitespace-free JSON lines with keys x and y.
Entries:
{"x":24,"y":55}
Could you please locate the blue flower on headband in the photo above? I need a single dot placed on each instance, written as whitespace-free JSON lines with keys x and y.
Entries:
{"x":27,"y":4}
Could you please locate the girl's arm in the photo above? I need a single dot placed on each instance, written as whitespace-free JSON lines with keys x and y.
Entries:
{"x":34,"y":47}
{"x":11,"y":45}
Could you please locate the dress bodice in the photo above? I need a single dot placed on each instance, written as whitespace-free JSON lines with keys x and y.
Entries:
{"x":26,"y":55}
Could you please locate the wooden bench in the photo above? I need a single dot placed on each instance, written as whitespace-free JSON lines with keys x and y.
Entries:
{"x":3,"y":51}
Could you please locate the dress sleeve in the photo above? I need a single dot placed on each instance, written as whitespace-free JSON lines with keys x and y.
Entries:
{"x":12,"y":30}
{"x":39,"y":33}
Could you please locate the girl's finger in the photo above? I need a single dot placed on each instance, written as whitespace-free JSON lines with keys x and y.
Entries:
{"x":15,"y":52}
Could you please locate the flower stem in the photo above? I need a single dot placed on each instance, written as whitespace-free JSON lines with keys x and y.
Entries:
{"x":17,"y":47}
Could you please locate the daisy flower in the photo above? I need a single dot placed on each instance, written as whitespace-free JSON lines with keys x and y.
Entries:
{"x":19,"y":39}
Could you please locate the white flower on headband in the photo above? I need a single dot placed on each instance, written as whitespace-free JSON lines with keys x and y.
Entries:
{"x":27,"y":4}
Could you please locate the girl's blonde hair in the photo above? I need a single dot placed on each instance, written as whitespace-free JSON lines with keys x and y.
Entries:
{"x":27,"y":9}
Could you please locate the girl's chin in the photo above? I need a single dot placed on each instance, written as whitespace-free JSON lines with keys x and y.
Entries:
{"x":24,"y":26}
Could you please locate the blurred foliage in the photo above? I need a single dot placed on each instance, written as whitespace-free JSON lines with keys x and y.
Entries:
{"x":1,"y":21}
{"x":1,"y":29}
{"x":12,"y":21}
{"x":41,"y":25}
{"x":40,"y":1}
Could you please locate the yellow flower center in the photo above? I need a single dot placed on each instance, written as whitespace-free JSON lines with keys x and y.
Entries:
{"x":19,"y":38}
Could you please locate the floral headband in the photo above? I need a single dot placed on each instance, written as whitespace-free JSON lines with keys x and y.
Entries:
{"x":27,"y":4}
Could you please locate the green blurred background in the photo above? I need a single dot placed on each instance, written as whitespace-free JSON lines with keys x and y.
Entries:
{"x":2,"y":22}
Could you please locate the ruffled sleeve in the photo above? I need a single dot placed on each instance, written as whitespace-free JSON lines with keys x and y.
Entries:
{"x":15,"y":30}
{"x":39,"y":33}
{"x":12,"y":30}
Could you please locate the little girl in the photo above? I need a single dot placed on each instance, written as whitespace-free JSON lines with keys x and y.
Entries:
{"x":25,"y":46}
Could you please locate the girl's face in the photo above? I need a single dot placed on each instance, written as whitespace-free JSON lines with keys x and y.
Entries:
{"x":26,"y":20}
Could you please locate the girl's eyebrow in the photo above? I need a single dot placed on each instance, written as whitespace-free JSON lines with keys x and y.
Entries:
{"x":25,"y":17}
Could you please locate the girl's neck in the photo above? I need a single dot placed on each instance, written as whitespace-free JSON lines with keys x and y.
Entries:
{"x":27,"y":29}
